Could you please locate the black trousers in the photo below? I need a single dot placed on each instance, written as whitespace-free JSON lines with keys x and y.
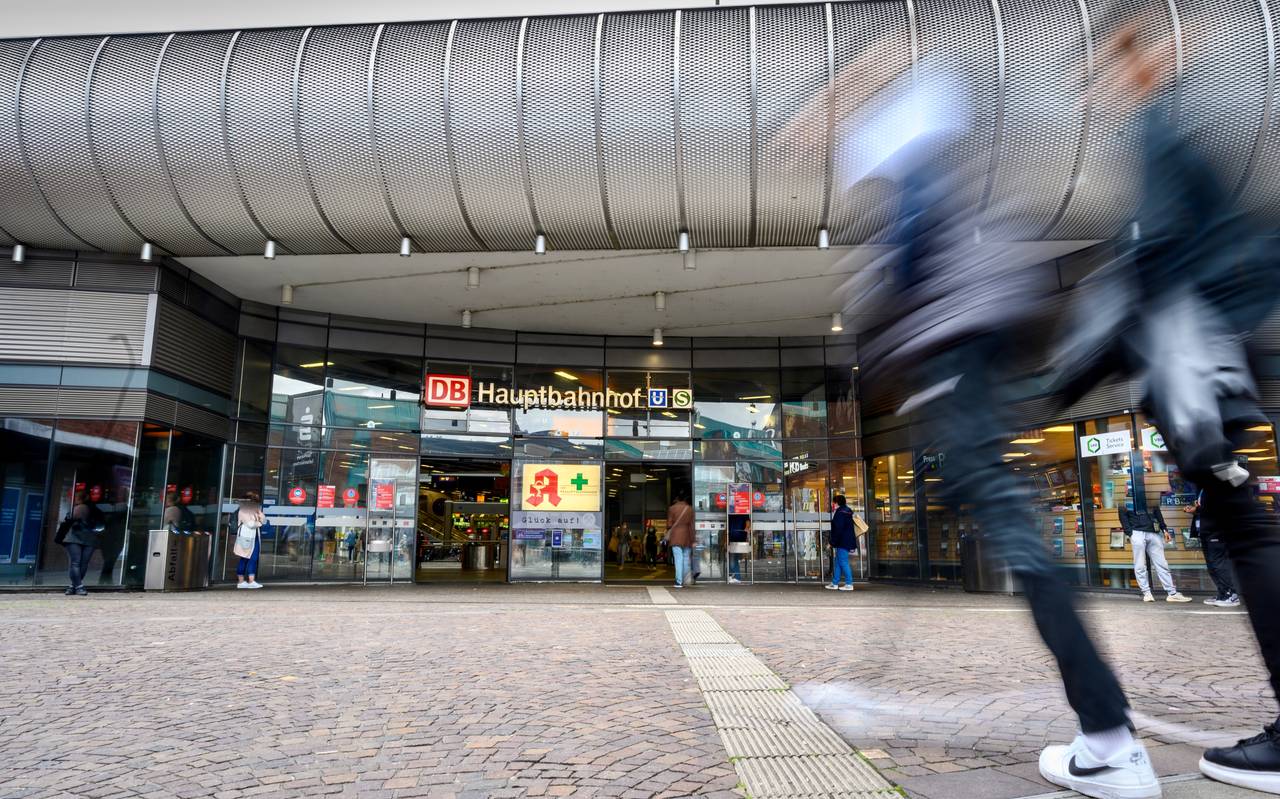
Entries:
{"x":1216,"y":559}
{"x":1251,"y":534}
{"x":78,"y":557}
{"x":967,"y":425}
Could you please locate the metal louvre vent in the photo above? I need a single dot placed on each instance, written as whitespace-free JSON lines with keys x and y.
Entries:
{"x":28,"y":401}
{"x":75,"y":326}
{"x":559,"y":113}
{"x":139,"y":277}
{"x":193,"y":349}
{"x":199,"y":420}
{"x":611,"y":130}
{"x":101,"y":403}
{"x":262,"y":137}
{"x":637,"y":127}
{"x":55,"y":137}
{"x":36,"y":272}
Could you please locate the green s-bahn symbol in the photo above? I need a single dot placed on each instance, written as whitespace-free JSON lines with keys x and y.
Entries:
{"x":1093,"y":446}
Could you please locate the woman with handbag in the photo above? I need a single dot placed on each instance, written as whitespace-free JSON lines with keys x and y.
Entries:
{"x":844,"y":539}
{"x":739,"y":547}
{"x":249,"y":541}
{"x":680,"y":536}
{"x":80,"y":533}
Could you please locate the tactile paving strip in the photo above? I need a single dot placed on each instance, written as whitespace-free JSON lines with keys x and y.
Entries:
{"x":780,"y":748}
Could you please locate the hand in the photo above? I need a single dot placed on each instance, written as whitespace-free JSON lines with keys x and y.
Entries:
{"x":1168,"y":537}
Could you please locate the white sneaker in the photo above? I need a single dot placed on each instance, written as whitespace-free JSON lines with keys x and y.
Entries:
{"x":255,"y":584}
{"x":1176,"y":597}
{"x":734,"y":580}
{"x":831,"y":587}
{"x":1232,"y":601}
{"x":846,"y":588}
{"x":1128,"y":775}
{"x":243,"y":585}
{"x":1211,"y":600}
{"x":1148,"y":598}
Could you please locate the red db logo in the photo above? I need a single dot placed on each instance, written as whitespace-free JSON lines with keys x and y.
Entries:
{"x":447,"y":391}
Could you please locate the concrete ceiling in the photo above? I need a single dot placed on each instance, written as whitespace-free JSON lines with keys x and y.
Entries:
{"x":761,"y":292}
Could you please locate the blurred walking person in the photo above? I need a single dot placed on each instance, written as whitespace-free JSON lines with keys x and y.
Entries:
{"x":1178,"y":306}
{"x":248,"y":544}
{"x":1215,"y":557}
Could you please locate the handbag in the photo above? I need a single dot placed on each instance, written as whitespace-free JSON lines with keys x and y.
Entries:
{"x":60,"y":537}
{"x":860,"y":524}
{"x":740,"y":547}
{"x":245,"y":539}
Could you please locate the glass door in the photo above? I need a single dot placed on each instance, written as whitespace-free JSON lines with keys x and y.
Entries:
{"x":463,"y":520}
{"x":392,"y":516}
{"x":556,"y":529}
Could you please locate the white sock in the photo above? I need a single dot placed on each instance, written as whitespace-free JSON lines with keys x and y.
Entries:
{"x":1108,"y":743}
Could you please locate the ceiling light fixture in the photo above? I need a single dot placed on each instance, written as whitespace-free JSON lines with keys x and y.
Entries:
{"x":473,"y":277}
{"x":19,"y":253}
{"x":824,"y":239}
{"x":466,"y":319}
{"x":1027,"y":440}
{"x":690,"y":260}
{"x":566,"y":375}
{"x":759,"y":397}
{"x":286,"y":294}
{"x":683,"y":241}
{"x":380,"y":407}
{"x":269,"y":251}
{"x":147,"y":252}
{"x":659,"y":301}
{"x":406,"y":247}
{"x":1061,"y":428}
{"x":657,"y":337}
{"x":837,"y":322}
{"x":540,"y":245}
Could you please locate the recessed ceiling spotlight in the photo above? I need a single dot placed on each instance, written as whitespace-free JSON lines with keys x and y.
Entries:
{"x":406,"y":247}
{"x":473,"y":277}
{"x":659,"y":301}
{"x":269,"y":251}
{"x":657,"y":337}
{"x":466,"y":319}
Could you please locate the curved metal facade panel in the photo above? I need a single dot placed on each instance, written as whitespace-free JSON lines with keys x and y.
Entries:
{"x":409,"y":116}
{"x":637,"y":127}
{"x":336,"y":136}
{"x":558,"y":110}
{"x":53,"y":114}
{"x":123,"y":130}
{"x":745,"y":126}
{"x":263,"y":139}
{"x":484,"y":129}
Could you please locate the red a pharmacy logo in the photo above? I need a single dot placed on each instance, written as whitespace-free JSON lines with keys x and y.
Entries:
{"x":447,"y":391}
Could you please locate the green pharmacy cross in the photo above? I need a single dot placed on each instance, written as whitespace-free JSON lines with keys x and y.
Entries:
{"x":579,"y":482}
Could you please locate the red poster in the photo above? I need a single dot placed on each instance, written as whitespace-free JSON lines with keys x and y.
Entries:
{"x":757,"y":499}
{"x":1269,"y":485}
{"x":350,"y":496}
{"x":326,"y":495}
{"x":384,"y":495}
{"x":721,"y":499}
{"x":95,"y":494}
{"x":186,"y":495}
{"x":740,"y":499}
{"x":297,"y":495}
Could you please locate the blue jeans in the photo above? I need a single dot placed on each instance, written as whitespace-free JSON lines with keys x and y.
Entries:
{"x":681,"y":557}
{"x":840,"y":568}
{"x":249,"y":566}
{"x":78,"y":557}
{"x":735,"y":565}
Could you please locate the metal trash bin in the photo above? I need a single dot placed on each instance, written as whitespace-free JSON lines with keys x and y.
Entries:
{"x":477,"y":556}
{"x":177,"y":561}
{"x":981,"y":572}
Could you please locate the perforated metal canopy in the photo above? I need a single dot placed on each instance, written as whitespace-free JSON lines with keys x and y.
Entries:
{"x":597,"y":131}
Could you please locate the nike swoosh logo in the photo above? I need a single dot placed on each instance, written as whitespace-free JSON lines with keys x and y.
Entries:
{"x":1080,"y":771}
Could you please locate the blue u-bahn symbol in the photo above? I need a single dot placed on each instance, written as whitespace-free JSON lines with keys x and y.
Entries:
{"x":657,"y":398}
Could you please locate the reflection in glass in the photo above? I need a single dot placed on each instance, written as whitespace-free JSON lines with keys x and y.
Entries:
{"x":737,"y":404}
{"x":804,"y":403}
{"x":24,"y":455}
{"x":643,"y":421}
{"x":559,"y":422}
{"x":893,"y":517}
{"x":372,"y":390}
{"x":479,"y":417}
{"x":1110,"y":483}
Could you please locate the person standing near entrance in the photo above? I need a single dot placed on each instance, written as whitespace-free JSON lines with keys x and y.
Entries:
{"x":1215,"y":557}
{"x":80,"y":533}
{"x":680,"y":537}
{"x":249,"y":541}
{"x":624,"y":543}
{"x":844,"y":540}
{"x":1140,"y":526}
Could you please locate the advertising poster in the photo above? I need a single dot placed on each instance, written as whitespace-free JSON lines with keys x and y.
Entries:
{"x":326,"y":496}
{"x":31,"y":521}
{"x":9,"y":521}
{"x":740,"y":499}
{"x":384,"y":494}
{"x":1117,"y":538}
{"x":561,"y":487}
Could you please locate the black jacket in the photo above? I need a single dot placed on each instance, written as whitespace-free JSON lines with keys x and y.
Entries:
{"x":843,"y":536}
{"x":1150,"y":521}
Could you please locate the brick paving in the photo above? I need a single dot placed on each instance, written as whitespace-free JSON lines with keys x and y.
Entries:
{"x":496,"y":691}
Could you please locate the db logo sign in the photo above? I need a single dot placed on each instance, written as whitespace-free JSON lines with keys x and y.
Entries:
{"x":447,"y":391}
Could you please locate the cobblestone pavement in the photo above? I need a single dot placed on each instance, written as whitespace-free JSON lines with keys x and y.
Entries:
{"x":517,"y":690}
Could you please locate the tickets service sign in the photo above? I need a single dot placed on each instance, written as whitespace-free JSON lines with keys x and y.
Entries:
{"x":561,"y":487}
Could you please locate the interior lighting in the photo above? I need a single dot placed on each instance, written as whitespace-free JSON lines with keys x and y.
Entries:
{"x":147,"y":252}
{"x":1250,"y":451}
{"x":933,"y":479}
{"x":402,"y":446}
{"x":473,"y":277}
{"x":683,"y":241}
{"x":1061,"y":428}
{"x":315,"y":365}
{"x":1016,"y":454}
{"x":837,"y":322}
{"x":406,"y":247}
{"x":566,"y":375}
{"x":669,"y":414}
{"x":700,"y":426}
{"x":286,"y":294}
{"x":760,"y":397}
{"x":504,"y":446}
{"x":1026,"y":441}
{"x":613,"y":411}
{"x":387,"y":438}
{"x":657,"y":337}
{"x":19,"y":253}
{"x":466,"y":319}
{"x":690,"y":260}
{"x":1262,"y":428}
{"x":380,"y":407}
{"x":540,"y":245}
{"x":824,"y":239}
{"x":269,"y":251}
{"x":659,"y":301}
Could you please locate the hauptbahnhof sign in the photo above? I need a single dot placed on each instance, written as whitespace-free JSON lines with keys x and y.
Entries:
{"x":456,"y":391}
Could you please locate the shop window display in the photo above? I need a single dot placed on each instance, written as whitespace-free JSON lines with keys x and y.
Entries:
{"x":1046,"y":460}
{"x":893,"y":517}
{"x":1109,"y":480}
